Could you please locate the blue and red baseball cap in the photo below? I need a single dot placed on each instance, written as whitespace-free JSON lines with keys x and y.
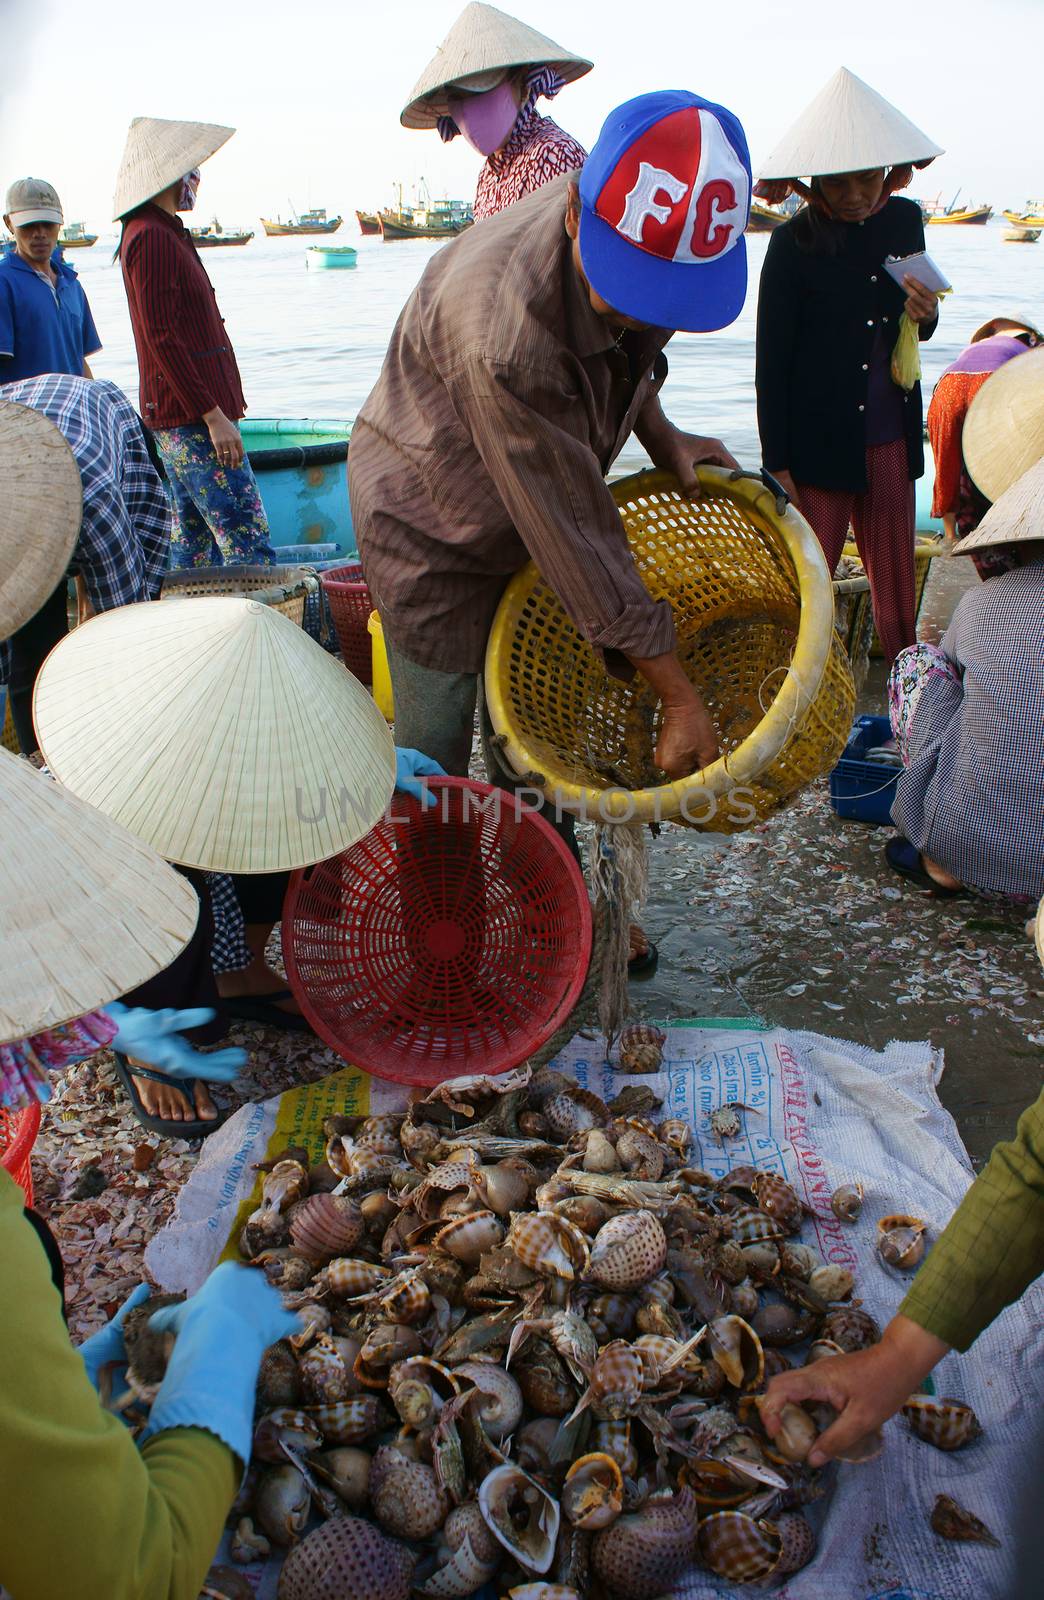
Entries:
{"x":665,"y":197}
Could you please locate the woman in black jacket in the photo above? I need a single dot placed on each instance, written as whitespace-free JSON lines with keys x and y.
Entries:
{"x":840,"y":434}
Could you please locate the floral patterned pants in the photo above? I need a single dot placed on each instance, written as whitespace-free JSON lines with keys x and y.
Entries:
{"x":911,"y":670}
{"x":217,"y":512}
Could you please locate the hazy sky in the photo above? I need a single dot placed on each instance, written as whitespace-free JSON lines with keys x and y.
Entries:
{"x":315,"y":88}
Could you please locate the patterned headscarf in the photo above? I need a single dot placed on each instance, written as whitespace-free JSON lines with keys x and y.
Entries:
{"x":539,"y":81}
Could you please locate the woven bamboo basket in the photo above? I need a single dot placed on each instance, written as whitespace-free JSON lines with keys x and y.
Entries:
{"x":854,"y":621}
{"x":754,"y":615}
{"x":285,"y":588}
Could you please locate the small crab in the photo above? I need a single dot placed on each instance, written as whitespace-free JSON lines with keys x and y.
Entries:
{"x":725,"y":1121}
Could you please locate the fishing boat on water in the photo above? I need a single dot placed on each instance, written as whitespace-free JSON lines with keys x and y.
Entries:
{"x":74,"y":236}
{"x":1032,"y":217}
{"x":427,"y":219}
{"x":213,"y":234}
{"x":976,"y":215}
{"x":765,"y":219}
{"x":369,"y":222}
{"x":1021,"y":235}
{"x":301,"y":222}
{"x":330,"y":255}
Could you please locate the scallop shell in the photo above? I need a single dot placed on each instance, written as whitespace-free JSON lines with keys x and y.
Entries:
{"x":500,"y":1408}
{"x":521,"y":1516}
{"x":735,"y":1546}
{"x":645,"y":1552}
{"x":947,"y":1424}
{"x":325,"y":1226}
{"x":548,"y":1244}
{"x":846,"y":1202}
{"x":467,"y":1238}
{"x":406,"y":1496}
{"x":592,"y":1495}
{"x":347,"y":1556}
{"x":952,"y":1521}
{"x":627,"y":1252}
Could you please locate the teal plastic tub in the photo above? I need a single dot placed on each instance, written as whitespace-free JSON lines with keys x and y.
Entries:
{"x":301,"y":473}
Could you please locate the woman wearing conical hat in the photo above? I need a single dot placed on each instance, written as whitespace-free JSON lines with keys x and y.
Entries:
{"x":483,"y":82}
{"x":838,"y":429}
{"x":955,"y":498}
{"x":190,"y":391}
{"x":968,"y":714}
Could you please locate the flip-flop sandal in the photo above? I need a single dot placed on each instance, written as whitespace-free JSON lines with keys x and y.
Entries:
{"x":263,"y":1009}
{"x":166,"y":1127}
{"x":645,"y":965}
{"x":906,"y":861}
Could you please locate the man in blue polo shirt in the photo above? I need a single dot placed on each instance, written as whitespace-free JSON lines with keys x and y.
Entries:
{"x":45,"y":321}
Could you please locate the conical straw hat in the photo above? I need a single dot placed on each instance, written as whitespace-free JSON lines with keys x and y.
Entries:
{"x":41,"y":503}
{"x":87,"y":911}
{"x":848,"y":127}
{"x":1016,"y":516}
{"x":1004,"y":430}
{"x":481,"y":46}
{"x":217,"y":731}
{"x":159,"y":152}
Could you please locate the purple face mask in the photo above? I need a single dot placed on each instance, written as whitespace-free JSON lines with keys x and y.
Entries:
{"x":187,"y":192}
{"x":486,"y":120}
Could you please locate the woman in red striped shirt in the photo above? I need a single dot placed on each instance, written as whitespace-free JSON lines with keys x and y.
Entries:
{"x":189,"y":386}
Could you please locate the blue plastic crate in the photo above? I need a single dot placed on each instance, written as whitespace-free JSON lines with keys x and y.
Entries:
{"x":861,"y":790}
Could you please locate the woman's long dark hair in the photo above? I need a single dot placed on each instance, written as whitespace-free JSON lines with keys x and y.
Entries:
{"x":816,"y":233}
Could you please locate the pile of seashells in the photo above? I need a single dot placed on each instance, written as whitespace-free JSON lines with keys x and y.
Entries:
{"x":533,"y":1346}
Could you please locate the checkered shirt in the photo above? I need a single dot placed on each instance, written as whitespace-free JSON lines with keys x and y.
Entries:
{"x":972,"y":797}
{"x":124,"y":537}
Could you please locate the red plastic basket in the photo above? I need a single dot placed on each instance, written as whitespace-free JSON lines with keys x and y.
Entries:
{"x":450,"y":940}
{"x":18,"y":1130}
{"x":350,"y":606}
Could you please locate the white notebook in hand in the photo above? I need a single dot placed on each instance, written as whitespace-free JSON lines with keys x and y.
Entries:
{"x":920,"y":266}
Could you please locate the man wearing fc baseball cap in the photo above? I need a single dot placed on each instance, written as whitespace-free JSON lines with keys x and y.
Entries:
{"x":45,"y":320}
{"x":529,"y":352}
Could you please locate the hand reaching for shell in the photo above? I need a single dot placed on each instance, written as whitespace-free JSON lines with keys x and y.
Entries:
{"x":106,"y":1345}
{"x":865,"y":1388}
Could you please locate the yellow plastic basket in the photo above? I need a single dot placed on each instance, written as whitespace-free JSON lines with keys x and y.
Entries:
{"x":754,"y":614}
{"x":285,"y":588}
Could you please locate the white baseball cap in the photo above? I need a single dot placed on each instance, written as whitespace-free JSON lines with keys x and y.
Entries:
{"x":32,"y":200}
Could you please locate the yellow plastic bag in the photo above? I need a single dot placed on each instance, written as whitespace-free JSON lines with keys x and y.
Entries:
{"x":906,"y":356}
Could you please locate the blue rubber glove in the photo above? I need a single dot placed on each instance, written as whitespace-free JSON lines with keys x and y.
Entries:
{"x":107,"y":1344}
{"x":155,"y":1038}
{"x":222,"y":1333}
{"x":410,"y":765}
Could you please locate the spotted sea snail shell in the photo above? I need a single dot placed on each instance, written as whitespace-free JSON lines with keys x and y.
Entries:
{"x":628,"y":1250}
{"x":947,"y":1424}
{"x":735,"y":1546}
{"x":643,"y":1553}
{"x":347,"y":1555}
{"x":406,"y":1496}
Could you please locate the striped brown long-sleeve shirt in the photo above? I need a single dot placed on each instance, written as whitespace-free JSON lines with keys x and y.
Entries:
{"x":186,"y":364}
{"x":502,"y":402}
